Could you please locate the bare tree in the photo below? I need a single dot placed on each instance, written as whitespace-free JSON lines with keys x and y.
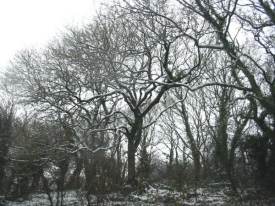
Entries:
{"x":227,"y":22}
{"x":140,"y":54}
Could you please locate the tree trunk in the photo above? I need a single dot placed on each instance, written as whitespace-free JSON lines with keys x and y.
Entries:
{"x":194,"y":149}
{"x":197,"y":164}
{"x":131,"y":163}
{"x":134,"y":138}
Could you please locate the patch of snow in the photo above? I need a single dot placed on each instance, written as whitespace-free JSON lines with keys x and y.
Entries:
{"x":154,"y":195}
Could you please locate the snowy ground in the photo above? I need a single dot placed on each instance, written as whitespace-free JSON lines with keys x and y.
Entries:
{"x":157,"y":194}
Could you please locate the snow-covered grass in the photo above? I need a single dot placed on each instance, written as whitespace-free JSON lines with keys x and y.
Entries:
{"x":70,"y":198}
{"x":157,"y":194}
{"x":161,"y":194}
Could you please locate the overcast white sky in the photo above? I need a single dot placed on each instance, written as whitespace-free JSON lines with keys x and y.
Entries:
{"x":33,"y":23}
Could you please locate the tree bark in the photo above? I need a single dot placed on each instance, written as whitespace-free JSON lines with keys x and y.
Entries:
{"x":134,"y":138}
{"x":194,"y":149}
{"x":131,"y":163}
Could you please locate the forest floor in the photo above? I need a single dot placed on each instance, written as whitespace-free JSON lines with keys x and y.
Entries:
{"x":214,"y":194}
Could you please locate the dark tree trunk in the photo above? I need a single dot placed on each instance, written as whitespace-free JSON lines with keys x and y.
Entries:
{"x":197,"y":164}
{"x":131,"y":163}
{"x":230,"y":175}
{"x":134,"y":139}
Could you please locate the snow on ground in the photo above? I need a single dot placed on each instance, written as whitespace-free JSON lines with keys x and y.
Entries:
{"x":163,"y":195}
{"x":42,"y":200}
{"x":157,"y":194}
